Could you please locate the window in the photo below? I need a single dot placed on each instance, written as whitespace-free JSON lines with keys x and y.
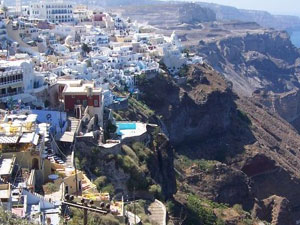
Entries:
{"x":96,"y":103}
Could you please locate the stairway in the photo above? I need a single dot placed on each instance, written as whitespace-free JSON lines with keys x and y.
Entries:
{"x":157,"y":212}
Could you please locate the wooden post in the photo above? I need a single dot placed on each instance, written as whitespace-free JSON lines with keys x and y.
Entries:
{"x":85,"y":216}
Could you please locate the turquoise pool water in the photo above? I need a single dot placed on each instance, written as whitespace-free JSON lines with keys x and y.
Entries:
{"x":125,"y":126}
{"x":120,"y":99}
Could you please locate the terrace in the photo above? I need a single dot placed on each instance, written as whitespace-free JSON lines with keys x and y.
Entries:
{"x":18,"y":133}
{"x":28,"y":142}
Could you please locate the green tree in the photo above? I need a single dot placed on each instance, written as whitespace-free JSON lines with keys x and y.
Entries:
{"x":85,"y":48}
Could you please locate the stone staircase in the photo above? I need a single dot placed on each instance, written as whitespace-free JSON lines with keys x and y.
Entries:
{"x":74,"y":123}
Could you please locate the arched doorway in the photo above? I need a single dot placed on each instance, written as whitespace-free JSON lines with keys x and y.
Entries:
{"x":35,"y":164}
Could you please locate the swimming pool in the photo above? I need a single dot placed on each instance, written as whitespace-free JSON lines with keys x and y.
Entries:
{"x":120,"y":99}
{"x":125,"y":126}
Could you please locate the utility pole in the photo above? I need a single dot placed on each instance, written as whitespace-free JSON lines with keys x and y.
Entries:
{"x":134,"y":206}
{"x":103,"y":209}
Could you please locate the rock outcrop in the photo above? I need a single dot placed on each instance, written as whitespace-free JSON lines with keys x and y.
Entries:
{"x":204,"y":110}
{"x":221,"y":184}
{"x":275,"y":209}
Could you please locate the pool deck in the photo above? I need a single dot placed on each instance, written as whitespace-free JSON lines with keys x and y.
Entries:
{"x":141,"y":128}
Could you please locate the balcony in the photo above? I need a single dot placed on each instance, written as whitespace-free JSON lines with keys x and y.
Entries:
{"x":5,"y":83}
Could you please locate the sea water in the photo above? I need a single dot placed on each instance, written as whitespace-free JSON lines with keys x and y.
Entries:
{"x":295,"y":38}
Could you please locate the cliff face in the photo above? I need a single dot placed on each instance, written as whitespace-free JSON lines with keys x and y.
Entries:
{"x":131,"y":166}
{"x":193,"y":13}
{"x":162,"y":169}
{"x":194,"y":110}
{"x":256,"y":60}
{"x":169,"y":14}
{"x":206,"y":120}
{"x":263,"y":18}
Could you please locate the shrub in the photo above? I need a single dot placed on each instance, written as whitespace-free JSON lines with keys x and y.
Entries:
{"x":143,"y":153}
{"x":155,"y":189}
{"x":171,"y":207}
{"x":50,"y":188}
{"x":128,"y":151}
{"x":108,"y":188}
{"x":7,"y":217}
{"x":238,"y":208}
{"x":128,"y":165}
{"x":100,"y":182}
{"x":199,"y":214}
{"x":93,"y":218}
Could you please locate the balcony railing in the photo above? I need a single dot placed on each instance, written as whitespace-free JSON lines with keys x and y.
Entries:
{"x":11,"y":82}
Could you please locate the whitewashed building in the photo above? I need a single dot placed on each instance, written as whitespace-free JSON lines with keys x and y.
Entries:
{"x":52,"y":10}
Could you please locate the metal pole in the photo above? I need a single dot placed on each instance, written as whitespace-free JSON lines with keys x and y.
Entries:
{"x":76,"y":179}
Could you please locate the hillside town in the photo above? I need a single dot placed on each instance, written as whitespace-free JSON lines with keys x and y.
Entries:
{"x":64,"y":69}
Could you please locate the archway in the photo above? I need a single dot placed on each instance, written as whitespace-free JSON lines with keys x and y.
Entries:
{"x":35,"y":164}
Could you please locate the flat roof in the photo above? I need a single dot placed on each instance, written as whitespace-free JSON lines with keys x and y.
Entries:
{"x":29,"y":138}
{"x":83,"y":89}
{"x":67,"y":137}
{"x":4,"y":194}
{"x":6,"y":166}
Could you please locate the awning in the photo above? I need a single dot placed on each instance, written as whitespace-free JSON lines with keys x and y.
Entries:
{"x":9,"y":140}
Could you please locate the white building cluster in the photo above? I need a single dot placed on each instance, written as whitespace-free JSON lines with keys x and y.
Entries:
{"x":51,"y":11}
{"x":60,"y":68}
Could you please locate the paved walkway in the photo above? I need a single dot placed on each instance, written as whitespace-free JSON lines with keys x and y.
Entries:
{"x":158,"y":212}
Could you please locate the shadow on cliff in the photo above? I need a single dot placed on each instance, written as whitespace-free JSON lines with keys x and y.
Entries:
{"x":225,"y":136}
{"x":200,"y":123}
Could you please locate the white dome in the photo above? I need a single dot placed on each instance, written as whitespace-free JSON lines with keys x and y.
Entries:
{"x":69,"y":40}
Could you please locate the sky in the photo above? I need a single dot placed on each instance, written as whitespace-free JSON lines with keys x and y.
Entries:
{"x":289,"y":7}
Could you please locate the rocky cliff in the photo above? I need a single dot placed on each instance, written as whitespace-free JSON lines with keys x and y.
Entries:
{"x":205,"y":120}
{"x":193,"y":13}
{"x":169,"y":14}
{"x":266,"y":19}
{"x":135,"y":166}
{"x":201,"y":108}
{"x":255,"y":60}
